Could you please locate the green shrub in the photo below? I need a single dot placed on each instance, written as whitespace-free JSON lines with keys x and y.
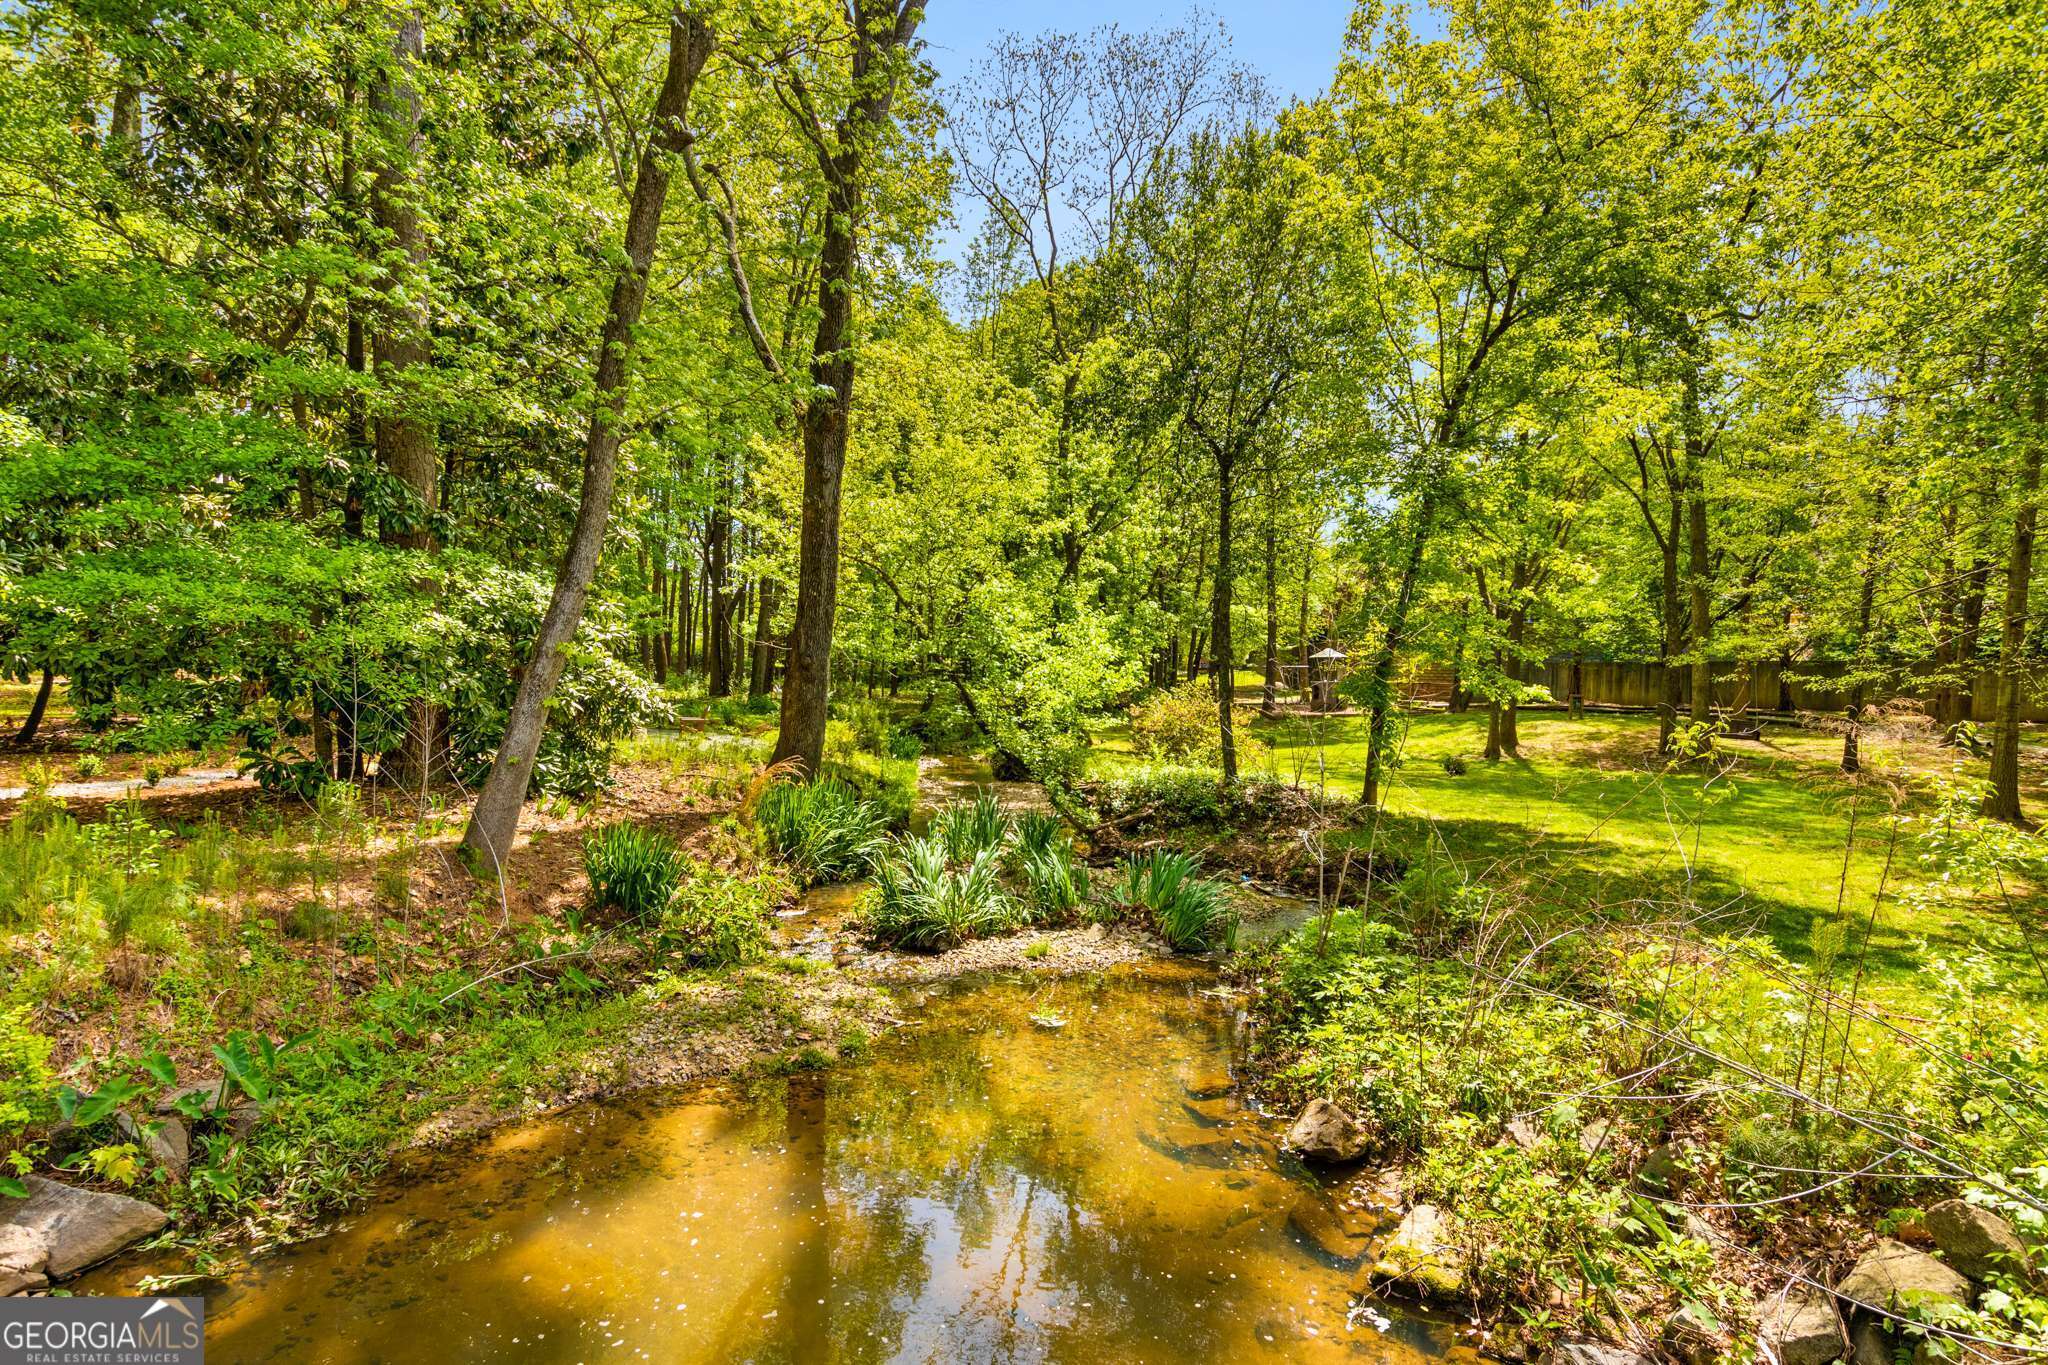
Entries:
{"x":1191,"y":913}
{"x":38,"y":808}
{"x":1168,"y":797}
{"x":632,"y":871}
{"x":970,"y":828}
{"x":872,"y":726}
{"x":1165,"y":797}
{"x":943,"y":726}
{"x":887,"y":784}
{"x":1038,"y":830}
{"x":822,"y":829}
{"x":1178,"y":723}
{"x":25,"y":1077}
{"x":119,"y":873}
{"x":716,"y":919}
{"x":923,"y":899}
{"x":1054,"y":879}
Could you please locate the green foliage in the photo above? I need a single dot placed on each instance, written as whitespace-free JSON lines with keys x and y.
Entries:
{"x":1038,"y":830}
{"x":873,"y":729}
{"x":1396,"y":1036}
{"x":885,"y":782}
{"x":1055,"y":881}
{"x":717,"y":919}
{"x":1167,"y":797}
{"x":969,"y":828}
{"x":107,"y":883}
{"x":1164,"y":797}
{"x":25,"y":1087}
{"x":1178,"y":724}
{"x":1191,"y":913}
{"x":822,"y":829}
{"x":925,"y":899}
{"x":633,"y":871}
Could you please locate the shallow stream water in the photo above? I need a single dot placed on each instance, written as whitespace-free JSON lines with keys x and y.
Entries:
{"x":1032,"y":1171}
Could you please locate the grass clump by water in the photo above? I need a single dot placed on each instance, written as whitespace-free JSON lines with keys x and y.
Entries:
{"x":1190,"y":912}
{"x":973,"y":827}
{"x":1055,"y":882}
{"x":633,"y":871}
{"x":822,"y":829}
{"x":927,"y":900}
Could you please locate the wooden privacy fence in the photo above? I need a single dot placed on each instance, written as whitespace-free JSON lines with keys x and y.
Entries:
{"x":1761,"y":686}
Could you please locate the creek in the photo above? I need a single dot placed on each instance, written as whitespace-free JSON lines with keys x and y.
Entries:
{"x":1032,"y":1170}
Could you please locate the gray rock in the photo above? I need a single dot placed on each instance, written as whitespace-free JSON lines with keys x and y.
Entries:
{"x":1521,"y":1133}
{"x":1421,"y":1253}
{"x":1868,"y":1344}
{"x":212,"y":1092}
{"x":1598,"y":1136}
{"x":81,"y":1227}
{"x":23,"y":1255}
{"x":1894,"y":1277}
{"x":1801,"y":1328}
{"x":1975,"y":1241}
{"x":1592,"y":1353}
{"x":1692,"y":1337}
{"x":1325,"y":1132}
{"x":167,"y":1140}
{"x":1662,"y":1171}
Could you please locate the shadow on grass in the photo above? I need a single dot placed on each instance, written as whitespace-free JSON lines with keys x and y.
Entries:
{"x":1568,"y":879}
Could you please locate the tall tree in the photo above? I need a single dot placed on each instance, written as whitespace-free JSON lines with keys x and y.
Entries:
{"x":1454,"y":256}
{"x":1228,"y":297}
{"x":494,"y":822}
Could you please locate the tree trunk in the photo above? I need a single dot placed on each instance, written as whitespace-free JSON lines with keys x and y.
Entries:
{"x":1219,"y":619}
{"x":1308,"y":565}
{"x":1511,"y":670}
{"x":1578,"y":686}
{"x":1271,"y":699}
{"x":761,"y":680}
{"x":34,"y":722}
{"x":1381,"y":682}
{"x":405,"y":443}
{"x":495,"y":822}
{"x":1698,"y":570}
{"x":1674,"y":633}
{"x":400,"y":346}
{"x":880,"y":32}
{"x":2003,"y":802}
{"x":717,"y":566}
{"x":659,"y":591}
{"x":1866,"y":601}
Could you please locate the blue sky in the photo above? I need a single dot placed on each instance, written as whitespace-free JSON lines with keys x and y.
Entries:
{"x":1292,"y":43}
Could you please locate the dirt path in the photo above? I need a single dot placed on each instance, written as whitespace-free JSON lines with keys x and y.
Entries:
{"x":119,"y":788}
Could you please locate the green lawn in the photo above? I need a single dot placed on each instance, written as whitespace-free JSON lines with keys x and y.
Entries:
{"x":1586,"y":820}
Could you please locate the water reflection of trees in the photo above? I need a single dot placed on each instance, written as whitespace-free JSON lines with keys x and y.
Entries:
{"x":983,"y":1189}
